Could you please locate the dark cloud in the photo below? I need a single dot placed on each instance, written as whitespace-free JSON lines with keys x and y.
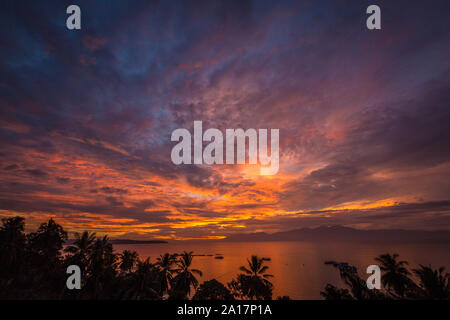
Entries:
{"x":11,"y":167}
{"x":63,"y":180}
{"x":37,"y":173}
{"x":401,"y":138}
{"x":363,"y":116}
{"x":204,"y":213}
{"x":113,"y":190}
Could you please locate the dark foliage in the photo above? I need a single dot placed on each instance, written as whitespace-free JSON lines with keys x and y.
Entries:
{"x":212,"y":290}
{"x":397,"y":282}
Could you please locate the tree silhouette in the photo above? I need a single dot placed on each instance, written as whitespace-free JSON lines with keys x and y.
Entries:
{"x":434,"y":284}
{"x":333,"y":293}
{"x":256,"y":268}
{"x":212,"y":290}
{"x":165,"y":265}
{"x":185,"y":278}
{"x":396,"y":275}
{"x":358,"y":289}
{"x":128,"y":259}
{"x":13,"y":266}
{"x":81,"y":249}
{"x":142,"y":283}
{"x":12,"y":243}
{"x":102,"y":268}
{"x":253,"y":284}
{"x":47,"y":241}
{"x":44,"y":254}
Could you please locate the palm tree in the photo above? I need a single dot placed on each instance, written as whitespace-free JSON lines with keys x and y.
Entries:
{"x":81,"y":248}
{"x":434,"y":284}
{"x":357,"y":286}
{"x":333,"y":293}
{"x":395,"y":276}
{"x":185,"y":276}
{"x":165,"y":263}
{"x":141,"y":284}
{"x":102,"y":267}
{"x":127,"y":260}
{"x":257,"y":269}
{"x":253,"y":283}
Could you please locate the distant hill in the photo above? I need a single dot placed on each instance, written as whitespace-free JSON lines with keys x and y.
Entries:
{"x":126,"y":241}
{"x":129,"y":241}
{"x":340,"y":233}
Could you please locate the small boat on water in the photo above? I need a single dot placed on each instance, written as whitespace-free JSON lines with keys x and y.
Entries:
{"x":343,"y":265}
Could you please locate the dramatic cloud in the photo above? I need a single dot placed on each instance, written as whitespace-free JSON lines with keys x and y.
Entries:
{"x":86,"y":116}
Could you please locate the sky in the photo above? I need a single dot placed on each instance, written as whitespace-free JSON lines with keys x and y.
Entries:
{"x":86,"y":115}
